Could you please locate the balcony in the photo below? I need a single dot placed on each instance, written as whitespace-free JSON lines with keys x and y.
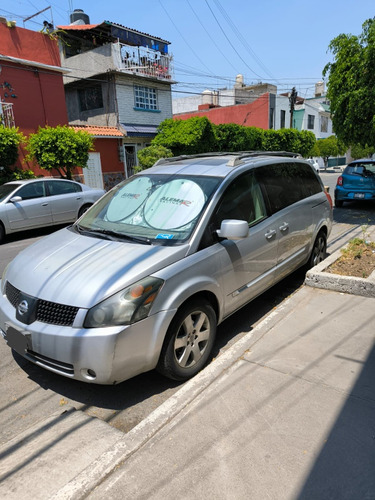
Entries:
{"x":130,"y":59}
{"x":6,"y":114}
{"x":143,"y":61}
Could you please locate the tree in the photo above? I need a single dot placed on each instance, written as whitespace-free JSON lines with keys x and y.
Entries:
{"x":148,"y":156}
{"x":357,"y":151}
{"x":183,"y":137}
{"x":330,"y":146}
{"x":351,"y":86}
{"x":60,"y":148}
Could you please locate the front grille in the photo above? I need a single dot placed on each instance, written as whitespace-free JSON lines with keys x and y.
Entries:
{"x":50,"y":363}
{"x":55,"y":314}
{"x":46,"y":312}
{"x":12,"y":294}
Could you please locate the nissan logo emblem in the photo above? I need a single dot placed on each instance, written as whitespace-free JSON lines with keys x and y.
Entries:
{"x":23,"y":307}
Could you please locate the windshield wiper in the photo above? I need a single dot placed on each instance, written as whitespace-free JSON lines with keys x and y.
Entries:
{"x":112,"y":235}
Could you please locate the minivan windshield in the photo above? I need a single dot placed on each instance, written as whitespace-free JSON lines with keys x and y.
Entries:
{"x":150,"y":208}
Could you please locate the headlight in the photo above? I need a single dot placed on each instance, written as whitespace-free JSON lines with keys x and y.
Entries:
{"x":3,"y":281}
{"x":125,"y":307}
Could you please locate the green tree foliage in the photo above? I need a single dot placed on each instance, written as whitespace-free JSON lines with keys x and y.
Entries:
{"x":233,"y":137}
{"x":60,"y":148}
{"x":351,"y":86}
{"x":148,"y":156}
{"x":10,"y":139}
{"x":184,"y":137}
{"x":329,"y":147}
{"x":357,"y":151}
{"x":287,"y":139}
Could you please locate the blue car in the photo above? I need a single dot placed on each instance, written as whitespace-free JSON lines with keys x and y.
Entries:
{"x":357,"y":182}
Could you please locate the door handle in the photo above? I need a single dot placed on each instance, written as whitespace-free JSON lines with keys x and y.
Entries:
{"x":270,"y":234}
{"x":44,"y":204}
{"x":284,"y":227}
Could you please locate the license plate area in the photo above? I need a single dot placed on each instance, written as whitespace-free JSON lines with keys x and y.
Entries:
{"x":17,"y":340}
{"x":359,"y":195}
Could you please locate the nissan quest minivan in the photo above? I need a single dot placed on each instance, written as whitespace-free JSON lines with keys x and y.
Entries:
{"x":144,"y":277}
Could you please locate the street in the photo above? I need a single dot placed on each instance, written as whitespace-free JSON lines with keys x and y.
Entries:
{"x":29,"y":393}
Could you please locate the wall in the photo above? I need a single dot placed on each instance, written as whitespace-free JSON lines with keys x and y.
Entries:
{"x":37,"y":93}
{"x":254,"y":114}
{"x":125,"y":101}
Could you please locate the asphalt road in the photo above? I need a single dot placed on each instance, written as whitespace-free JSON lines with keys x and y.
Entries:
{"x":29,"y":393}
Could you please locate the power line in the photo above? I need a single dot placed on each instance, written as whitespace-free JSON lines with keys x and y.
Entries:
{"x":182,"y":36}
{"x":233,"y":47}
{"x":242,"y":39}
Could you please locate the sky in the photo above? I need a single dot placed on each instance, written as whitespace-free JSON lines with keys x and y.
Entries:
{"x":284,"y":43}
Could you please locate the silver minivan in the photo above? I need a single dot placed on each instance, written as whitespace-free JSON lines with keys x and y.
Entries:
{"x":144,"y":277}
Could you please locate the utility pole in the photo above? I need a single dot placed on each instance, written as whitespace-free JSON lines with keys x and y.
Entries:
{"x":292,"y":102}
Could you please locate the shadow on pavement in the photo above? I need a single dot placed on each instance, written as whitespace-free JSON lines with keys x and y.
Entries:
{"x":345,"y":467}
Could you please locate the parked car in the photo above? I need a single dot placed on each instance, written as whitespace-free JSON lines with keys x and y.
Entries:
{"x":314,"y":163}
{"x":357,"y":182}
{"x":34,"y":203}
{"x":144,"y":277}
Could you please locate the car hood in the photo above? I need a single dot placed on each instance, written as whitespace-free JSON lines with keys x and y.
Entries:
{"x":78,"y":270}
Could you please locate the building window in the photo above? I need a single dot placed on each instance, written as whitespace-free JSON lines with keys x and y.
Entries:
{"x":324,"y":124}
{"x":282,"y":118}
{"x":310,"y":122}
{"x":145,"y":98}
{"x":90,"y":98}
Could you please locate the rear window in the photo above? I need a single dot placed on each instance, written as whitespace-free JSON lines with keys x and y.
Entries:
{"x":288,"y":183}
{"x":362,"y":169}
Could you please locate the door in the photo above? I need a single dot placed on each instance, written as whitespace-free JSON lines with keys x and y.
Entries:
{"x":247,"y":264}
{"x":65,"y":199}
{"x":92,"y":174}
{"x":33,"y":210}
{"x":130,"y":158}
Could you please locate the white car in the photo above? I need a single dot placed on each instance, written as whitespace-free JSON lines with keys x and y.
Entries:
{"x":314,"y":163}
{"x":35,"y":203}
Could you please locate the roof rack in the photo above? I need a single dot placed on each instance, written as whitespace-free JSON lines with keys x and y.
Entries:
{"x":240,"y":156}
{"x":237,"y":159}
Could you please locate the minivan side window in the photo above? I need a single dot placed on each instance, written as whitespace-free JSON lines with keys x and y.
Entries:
{"x":287,"y":183}
{"x":243,"y":200}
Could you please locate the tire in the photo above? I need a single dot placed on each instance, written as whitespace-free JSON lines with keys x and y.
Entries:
{"x":319,"y":251}
{"x":2,"y":233}
{"x":82,"y":210}
{"x":189,"y":341}
{"x":338,"y":203}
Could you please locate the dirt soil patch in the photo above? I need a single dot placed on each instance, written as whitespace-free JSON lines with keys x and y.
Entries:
{"x":357,"y":259}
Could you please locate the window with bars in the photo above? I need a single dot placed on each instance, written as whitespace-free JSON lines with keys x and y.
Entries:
{"x":145,"y":98}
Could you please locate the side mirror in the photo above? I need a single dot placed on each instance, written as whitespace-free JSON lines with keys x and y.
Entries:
{"x":16,"y":199}
{"x":233,"y":229}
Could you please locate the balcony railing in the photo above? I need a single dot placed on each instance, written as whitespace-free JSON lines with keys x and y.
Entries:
{"x":6,"y":114}
{"x":145,"y":62}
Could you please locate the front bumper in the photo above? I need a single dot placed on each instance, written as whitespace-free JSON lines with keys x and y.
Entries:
{"x":97,"y":355}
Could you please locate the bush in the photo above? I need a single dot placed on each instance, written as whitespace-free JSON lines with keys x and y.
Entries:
{"x":10,"y":139}
{"x":149,"y":156}
{"x":184,"y":137}
{"x":8,"y":175}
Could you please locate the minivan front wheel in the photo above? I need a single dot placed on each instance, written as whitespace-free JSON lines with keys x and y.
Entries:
{"x":189,"y":341}
{"x":319,"y":251}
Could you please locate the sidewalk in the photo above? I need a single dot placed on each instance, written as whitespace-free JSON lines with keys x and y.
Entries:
{"x":288,"y":412}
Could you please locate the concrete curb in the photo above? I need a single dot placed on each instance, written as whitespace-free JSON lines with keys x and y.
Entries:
{"x":318,"y":277}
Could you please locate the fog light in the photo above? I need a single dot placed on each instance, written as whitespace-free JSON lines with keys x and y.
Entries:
{"x":88,"y":373}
